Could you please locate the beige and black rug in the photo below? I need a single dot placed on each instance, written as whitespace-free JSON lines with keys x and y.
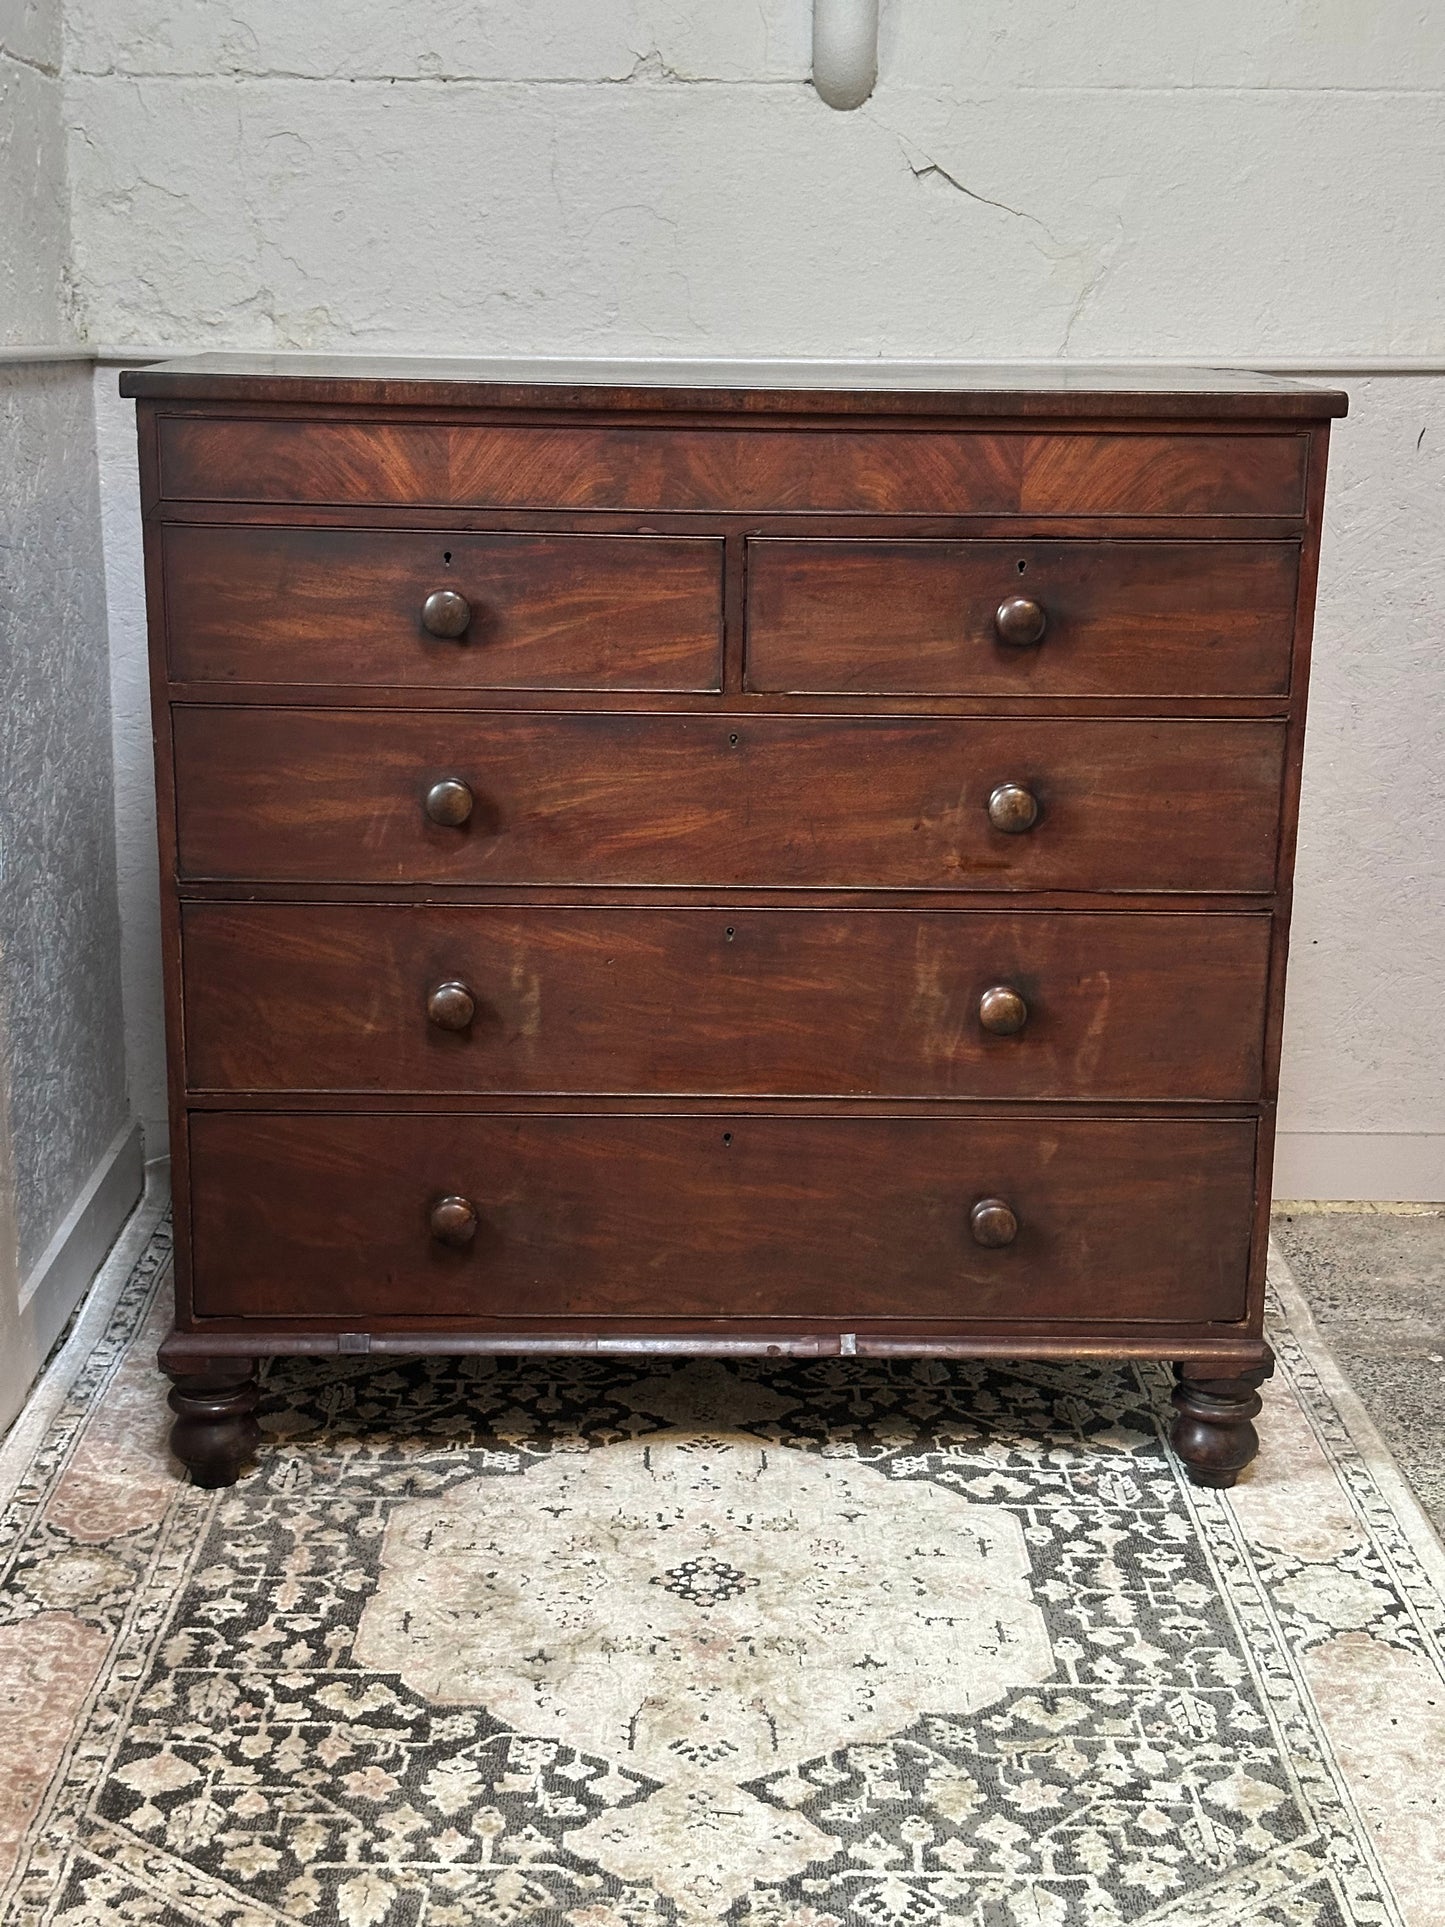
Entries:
{"x":588,"y":1642}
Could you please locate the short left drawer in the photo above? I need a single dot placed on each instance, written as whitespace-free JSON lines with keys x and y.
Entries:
{"x":424,"y":608}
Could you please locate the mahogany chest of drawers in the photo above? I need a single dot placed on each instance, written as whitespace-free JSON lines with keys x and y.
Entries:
{"x":686,"y":864}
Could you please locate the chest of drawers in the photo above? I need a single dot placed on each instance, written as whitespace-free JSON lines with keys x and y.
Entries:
{"x":684,"y":863}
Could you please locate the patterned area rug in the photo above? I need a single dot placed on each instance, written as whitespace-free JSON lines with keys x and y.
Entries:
{"x":608,"y":1644}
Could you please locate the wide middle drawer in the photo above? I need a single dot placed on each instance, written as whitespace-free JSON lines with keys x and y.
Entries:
{"x":527,"y":1000}
{"x":725,"y":800}
{"x":429,"y":608}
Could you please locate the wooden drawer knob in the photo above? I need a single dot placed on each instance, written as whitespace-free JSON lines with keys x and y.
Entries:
{"x":451,"y":1006}
{"x":445,"y":613}
{"x":1013,"y":809}
{"x":992,"y":1223}
{"x":454,"y":1221}
{"x":449,"y":802}
{"x":1002,"y":1011}
{"x":1020,"y":621}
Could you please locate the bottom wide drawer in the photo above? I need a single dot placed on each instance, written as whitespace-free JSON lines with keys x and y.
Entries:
{"x":521,"y":1219}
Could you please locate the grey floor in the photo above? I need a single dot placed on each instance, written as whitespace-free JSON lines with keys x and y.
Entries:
{"x":1375,"y":1280}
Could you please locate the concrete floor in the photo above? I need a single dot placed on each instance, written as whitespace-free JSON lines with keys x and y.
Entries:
{"x":1374,"y":1276}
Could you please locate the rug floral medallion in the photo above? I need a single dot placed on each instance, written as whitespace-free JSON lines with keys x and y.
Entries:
{"x":610,"y":1644}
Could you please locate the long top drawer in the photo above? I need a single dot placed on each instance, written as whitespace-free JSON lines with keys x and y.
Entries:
{"x":800,"y":469}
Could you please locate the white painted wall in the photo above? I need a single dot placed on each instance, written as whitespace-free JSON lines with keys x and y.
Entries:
{"x":1362,"y":1103}
{"x":1253,"y":180}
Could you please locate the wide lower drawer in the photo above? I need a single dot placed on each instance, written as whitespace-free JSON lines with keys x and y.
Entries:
{"x":1022,"y":618}
{"x":337,"y":1217}
{"x":848,"y":802}
{"x":318,"y":997}
{"x":422,"y":608}
{"x":538,"y":465}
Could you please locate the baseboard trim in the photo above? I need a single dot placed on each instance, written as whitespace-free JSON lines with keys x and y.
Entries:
{"x":1371,"y":1167}
{"x":47,"y":1395}
{"x":61,"y":1275}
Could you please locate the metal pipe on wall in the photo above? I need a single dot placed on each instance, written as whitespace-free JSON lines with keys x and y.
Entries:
{"x":845,"y":50}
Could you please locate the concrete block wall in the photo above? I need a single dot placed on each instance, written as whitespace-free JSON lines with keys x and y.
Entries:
{"x":33,"y":260}
{"x":1258,"y":180}
{"x":1083,"y":177}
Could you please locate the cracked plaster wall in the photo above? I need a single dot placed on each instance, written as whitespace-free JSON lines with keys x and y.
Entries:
{"x":62,"y":1080}
{"x":1254,"y":179}
{"x":624,"y":175}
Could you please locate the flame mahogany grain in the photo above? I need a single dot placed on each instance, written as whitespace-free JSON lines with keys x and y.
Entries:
{"x":891,"y":471}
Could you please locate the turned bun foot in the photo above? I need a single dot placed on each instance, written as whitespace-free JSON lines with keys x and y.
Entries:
{"x":1214,"y":1432}
{"x":215,"y":1433}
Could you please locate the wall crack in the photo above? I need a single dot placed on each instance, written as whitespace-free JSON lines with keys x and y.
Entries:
{"x":647,"y":68}
{"x":1093,"y":281}
{"x":926,"y":168}
{"x":40,"y":67}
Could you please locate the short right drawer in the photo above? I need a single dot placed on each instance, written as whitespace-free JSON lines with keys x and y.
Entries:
{"x":1076,"y":618}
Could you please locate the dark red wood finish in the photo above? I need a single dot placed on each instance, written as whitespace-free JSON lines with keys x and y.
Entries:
{"x":723,"y":672}
{"x":304,"y":605}
{"x":760,"y":469}
{"x":927,"y":390}
{"x":765,"y":1003}
{"x":1119,"y":618}
{"x":340,"y":796}
{"x":721,"y":1217}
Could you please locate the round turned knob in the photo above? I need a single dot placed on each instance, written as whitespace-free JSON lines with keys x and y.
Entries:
{"x":1013,"y":809}
{"x":1002,"y":1011}
{"x":449,"y":802}
{"x":992,"y":1223}
{"x":1020,"y":621}
{"x":454,"y":1221}
{"x":445,"y":613}
{"x":451,"y":1006}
